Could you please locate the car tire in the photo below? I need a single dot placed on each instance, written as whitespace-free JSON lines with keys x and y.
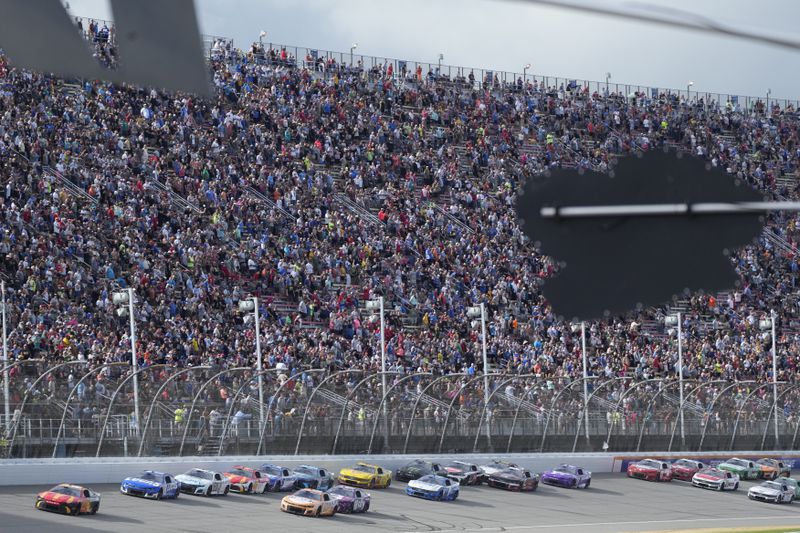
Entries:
{"x":588,"y":482}
{"x":736,"y":486}
{"x":208,"y":491}
{"x":366,"y":508}
{"x":521,"y":486}
{"x":573,"y":484}
{"x":76,"y":510}
{"x":177,"y":493}
{"x":440,"y":496}
{"x":227,"y":490}
{"x":160,"y":494}
{"x":721,"y":487}
{"x":319,"y":512}
{"x":95,"y":508}
{"x":250,"y":489}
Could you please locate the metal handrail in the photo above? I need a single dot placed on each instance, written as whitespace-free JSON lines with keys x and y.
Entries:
{"x":155,"y":400}
{"x":585,"y":406}
{"x":741,"y":407}
{"x":311,"y":397}
{"x":347,"y":401}
{"x":196,"y":396}
{"x":226,"y":426}
{"x":622,"y":399}
{"x":710,"y":410}
{"x":455,"y":397}
{"x":516,"y":417}
{"x":72,"y":393}
{"x":416,"y":403}
{"x":553,"y":403}
{"x":489,"y":400}
{"x":383,"y":400}
{"x":111,"y":404}
{"x":772,"y":411}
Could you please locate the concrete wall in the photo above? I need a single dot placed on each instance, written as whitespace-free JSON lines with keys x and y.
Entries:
{"x":113,"y":470}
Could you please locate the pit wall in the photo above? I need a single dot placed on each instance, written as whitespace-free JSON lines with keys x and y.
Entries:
{"x":113,"y":470}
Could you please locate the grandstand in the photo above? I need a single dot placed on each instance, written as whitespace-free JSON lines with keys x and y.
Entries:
{"x":320,"y":181}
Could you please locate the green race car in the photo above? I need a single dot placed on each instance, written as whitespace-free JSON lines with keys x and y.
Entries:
{"x":794,"y":484}
{"x":744,"y":468}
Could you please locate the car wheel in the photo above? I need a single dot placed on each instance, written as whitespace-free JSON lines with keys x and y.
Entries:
{"x":440,"y":495}
{"x":521,"y":486}
{"x":208,"y":491}
{"x":227,"y":490}
{"x":366,"y":508}
{"x":319,"y":512}
{"x":177,"y":493}
{"x":573,"y":484}
{"x":721,"y":486}
{"x":250,"y":488}
{"x":371,"y":484}
{"x":95,"y":508}
{"x":588,"y":482}
{"x":160,"y":494}
{"x":736,"y":486}
{"x":76,"y":510}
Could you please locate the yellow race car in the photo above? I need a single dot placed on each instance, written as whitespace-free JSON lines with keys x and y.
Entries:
{"x":309,"y":502}
{"x":366,"y":475}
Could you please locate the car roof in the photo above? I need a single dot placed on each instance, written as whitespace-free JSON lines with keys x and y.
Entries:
{"x":360,"y":463}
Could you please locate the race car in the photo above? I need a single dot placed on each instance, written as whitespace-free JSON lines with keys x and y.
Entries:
{"x":650,"y":470}
{"x":684,"y":469}
{"x":68,"y":499}
{"x":772,"y":491}
{"x":568,"y":476}
{"x":311,"y":477}
{"x":350,"y":499}
{"x":744,"y":468}
{"x":246,"y":480}
{"x":496,"y":466}
{"x":416,"y":469}
{"x":279,"y":478}
{"x":433,"y":487}
{"x":366,"y":475}
{"x":463,"y":473}
{"x":772,"y":468}
{"x":150,"y":484}
{"x":203,"y":482}
{"x":714,"y":478}
{"x":794,"y":484}
{"x":309,"y":502}
{"x":517,"y":479}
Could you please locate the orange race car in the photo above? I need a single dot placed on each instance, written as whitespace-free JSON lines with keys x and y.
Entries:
{"x":309,"y":502}
{"x":68,"y":499}
{"x":772,"y":468}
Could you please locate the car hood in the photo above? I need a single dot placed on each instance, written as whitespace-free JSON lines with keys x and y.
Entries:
{"x":342,"y":498}
{"x":355,"y":473}
{"x":709,"y":477}
{"x":237,"y":478}
{"x":765,"y":491}
{"x":424,"y":486}
{"x":137,"y":482}
{"x":558,"y":474}
{"x":191,"y":479}
{"x":299,"y":501}
{"x":645,"y":467}
{"x":726,"y":466}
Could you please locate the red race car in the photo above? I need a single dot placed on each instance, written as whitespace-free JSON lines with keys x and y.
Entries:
{"x":685,"y":469}
{"x":650,"y":470}
{"x":246,"y":480}
{"x":68,"y":499}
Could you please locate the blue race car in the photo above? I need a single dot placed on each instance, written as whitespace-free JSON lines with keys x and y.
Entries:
{"x":433,"y":487}
{"x":568,"y":476}
{"x":311,"y":477}
{"x":279,"y":478}
{"x":150,"y":484}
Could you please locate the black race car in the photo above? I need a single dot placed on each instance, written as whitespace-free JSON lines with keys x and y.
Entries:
{"x":416,"y":469}
{"x":464,"y":473}
{"x":517,"y":479}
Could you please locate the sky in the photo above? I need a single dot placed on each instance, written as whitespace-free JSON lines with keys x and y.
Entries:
{"x":505,"y":36}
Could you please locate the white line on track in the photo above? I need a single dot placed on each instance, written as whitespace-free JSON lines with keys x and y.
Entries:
{"x":597,"y":524}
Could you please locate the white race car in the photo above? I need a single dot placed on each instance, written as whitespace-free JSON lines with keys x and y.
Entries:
{"x":204,"y":482}
{"x":772,"y":491}
{"x":716,"y":479}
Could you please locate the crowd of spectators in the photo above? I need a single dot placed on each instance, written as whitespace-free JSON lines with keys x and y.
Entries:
{"x":318,"y":186}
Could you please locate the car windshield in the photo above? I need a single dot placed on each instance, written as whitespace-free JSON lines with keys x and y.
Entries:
{"x":772,"y":485}
{"x":69,"y":491}
{"x":200,"y":473}
{"x":239,"y":472}
{"x":341,"y":490}
{"x":650,"y":463}
{"x":738,"y":462}
{"x":711,"y":472}
{"x":364,"y":468}
{"x":306,"y":470}
{"x":149,"y":476}
{"x":766,"y":462}
{"x":684,"y":462}
{"x":566,"y":469}
{"x":307,"y":494}
{"x":430,"y":478}
{"x":271,"y":470}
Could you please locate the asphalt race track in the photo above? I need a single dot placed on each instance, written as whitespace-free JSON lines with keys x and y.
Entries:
{"x":613,"y":503}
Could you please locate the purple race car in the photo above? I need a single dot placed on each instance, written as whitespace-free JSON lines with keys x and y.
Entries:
{"x":349,"y":499}
{"x":568,"y":476}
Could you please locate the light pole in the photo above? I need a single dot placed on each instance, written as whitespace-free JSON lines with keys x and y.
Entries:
{"x":582,"y":328}
{"x":764,"y":325}
{"x":121,"y":298}
{"x":6,"y":422}
{"x":525,"y":71}
{"x":675,"y":320}
{"x":769,"y":92}
{"x":688,"y":88}
{"x":261,"y":38}
{"x":608,"y":78}
{"x":352,"y":49}
{"x":475,"y":312}
{"x":251,"y":306}
{"x":373,"y":305}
